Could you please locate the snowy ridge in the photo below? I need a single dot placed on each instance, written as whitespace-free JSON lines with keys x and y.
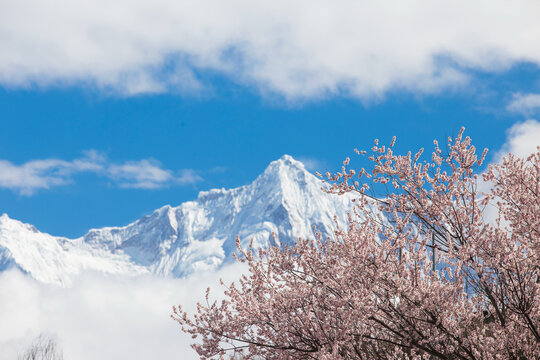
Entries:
{"x":198,"y":235}
{"x":54,"y":259}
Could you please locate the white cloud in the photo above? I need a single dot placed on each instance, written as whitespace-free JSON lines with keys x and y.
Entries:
{"x":521,"y":140}
{"x":36,"y":175}
{"x":188,"y":177}
{"x":143,"y":174}
{"x":299,"y":49}
{"x":104,"y":317}
{"x":526,"y":104}
{"x":43,"y":174}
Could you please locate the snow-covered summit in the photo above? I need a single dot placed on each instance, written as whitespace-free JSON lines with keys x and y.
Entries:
{"x":285,"y":200}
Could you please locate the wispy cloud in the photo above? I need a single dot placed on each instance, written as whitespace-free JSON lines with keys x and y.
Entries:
{"x":143,"y":174}
{"x":312,"y":164}
{"x":300,"y":49}
{"x":44,"y":174}
{"x":526,"y":104}
{"x":36,"y":175}
{"x":188,"y":177}
{"x":148,"y":174}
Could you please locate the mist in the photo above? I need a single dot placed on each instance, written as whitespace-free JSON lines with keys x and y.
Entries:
{"x":103,"y":317}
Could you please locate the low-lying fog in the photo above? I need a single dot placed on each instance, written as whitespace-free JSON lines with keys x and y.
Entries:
{"x":103,"y":317}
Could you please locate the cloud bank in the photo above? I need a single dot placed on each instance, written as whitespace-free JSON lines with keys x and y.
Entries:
{"x":298,"y":50}
{"x":36,"y":175}
{"x":104,"y":318}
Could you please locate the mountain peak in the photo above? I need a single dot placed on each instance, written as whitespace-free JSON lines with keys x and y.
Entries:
{"x":288,"y":158}
{"x":7,"y":222}
{"x":288,"y":161}
{"x":286,"y":200}
{"x":285,"y":167}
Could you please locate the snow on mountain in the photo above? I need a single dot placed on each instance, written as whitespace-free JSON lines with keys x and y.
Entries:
{"x":285,"y":200}
{"x":55,"y":259}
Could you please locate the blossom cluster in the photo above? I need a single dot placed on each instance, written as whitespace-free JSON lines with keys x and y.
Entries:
{"x":419,"y":273}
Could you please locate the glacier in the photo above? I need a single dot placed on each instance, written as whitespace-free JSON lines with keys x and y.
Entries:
{"x":285,"y":200}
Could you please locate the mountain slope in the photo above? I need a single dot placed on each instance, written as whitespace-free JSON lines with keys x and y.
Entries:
{"x":55,"y":259}
{"x":175,"y":241}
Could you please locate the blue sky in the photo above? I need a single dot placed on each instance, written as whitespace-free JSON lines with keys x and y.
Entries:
{"x":105,"y":118}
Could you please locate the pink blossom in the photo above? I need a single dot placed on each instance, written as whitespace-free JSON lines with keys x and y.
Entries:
{"x":418,"y":273}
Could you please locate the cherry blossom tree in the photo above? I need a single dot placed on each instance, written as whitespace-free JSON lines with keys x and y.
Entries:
{"x":419,"y":273}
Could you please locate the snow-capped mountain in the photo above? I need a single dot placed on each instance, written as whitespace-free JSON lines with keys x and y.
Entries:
{"x":285,"y":200}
